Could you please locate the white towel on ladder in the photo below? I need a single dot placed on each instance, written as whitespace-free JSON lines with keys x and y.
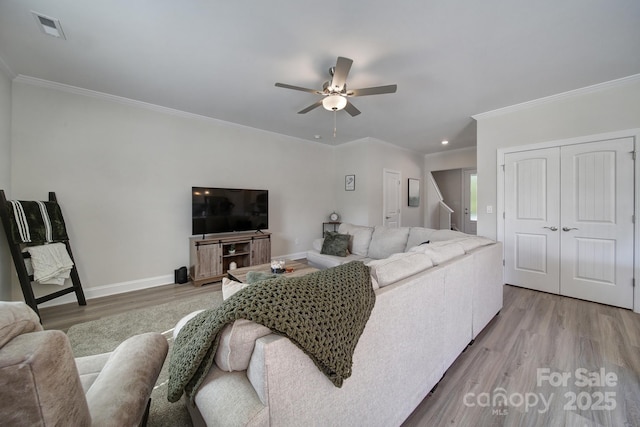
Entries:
{"x":51,"y":263}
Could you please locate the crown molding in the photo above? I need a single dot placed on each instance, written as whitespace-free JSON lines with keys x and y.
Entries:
{"x":558,"y":97}
{"x":370,"y":139}
{"x":473,"y":149}
{"x":33,"y":81}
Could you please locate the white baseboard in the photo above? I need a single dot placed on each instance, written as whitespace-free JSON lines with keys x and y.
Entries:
{"x":112,"y":289}
{"x":134,"y":285}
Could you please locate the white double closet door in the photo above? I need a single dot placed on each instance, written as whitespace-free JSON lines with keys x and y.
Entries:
{"x":569,"y":220}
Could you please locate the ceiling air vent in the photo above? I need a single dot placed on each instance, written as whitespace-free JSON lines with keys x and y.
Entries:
{"x":48,"y":25}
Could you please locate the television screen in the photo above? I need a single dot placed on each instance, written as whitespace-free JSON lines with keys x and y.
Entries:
{"x":224,"y":210}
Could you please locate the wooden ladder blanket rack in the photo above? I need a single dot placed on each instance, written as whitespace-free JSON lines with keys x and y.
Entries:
{"x":55,"y":232}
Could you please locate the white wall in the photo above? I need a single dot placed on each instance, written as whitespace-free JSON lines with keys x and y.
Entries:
{"x":123,"y":175}
{"x":5,"y":179}
{"x":366,"y":159}
{"x":463,"y":158}
{"x":603,"y":108}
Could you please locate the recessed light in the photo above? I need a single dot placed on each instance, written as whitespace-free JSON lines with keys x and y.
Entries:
{"x":445,"y":142}
{"x":317,"y":136}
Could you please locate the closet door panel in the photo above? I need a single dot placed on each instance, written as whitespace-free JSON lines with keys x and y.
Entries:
{"x":597,"y":221}
{"x":532,"y":198}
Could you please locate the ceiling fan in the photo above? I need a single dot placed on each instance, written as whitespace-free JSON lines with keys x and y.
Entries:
{"x":335,"y":92}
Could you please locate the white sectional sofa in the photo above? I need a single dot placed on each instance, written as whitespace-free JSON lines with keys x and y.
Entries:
{"x":370,"y":243}
{"x":431,"y":301}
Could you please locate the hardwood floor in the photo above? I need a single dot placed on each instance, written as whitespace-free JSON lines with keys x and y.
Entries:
{"x":545,"y":356}
{"x":537,"y":338}
{"x":66,"y":315}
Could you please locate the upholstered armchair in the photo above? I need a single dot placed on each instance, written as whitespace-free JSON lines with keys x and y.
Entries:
{"x":42,"y":384}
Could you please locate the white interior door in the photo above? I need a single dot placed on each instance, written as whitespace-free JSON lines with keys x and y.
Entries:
{"x":470,"y":184}
{"x":597,"y":222}
{"x":569,"y":220}
{"x":532,"y":223}
{"x":391,"y":198}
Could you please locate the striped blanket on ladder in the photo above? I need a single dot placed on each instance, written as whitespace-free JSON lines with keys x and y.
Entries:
{"x":36,"y":223}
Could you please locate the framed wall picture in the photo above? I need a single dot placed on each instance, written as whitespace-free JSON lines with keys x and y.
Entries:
{"x":414,"y":192}
{"x":349,"y":182}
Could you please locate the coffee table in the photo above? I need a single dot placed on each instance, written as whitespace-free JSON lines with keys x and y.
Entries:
{"x":299,"y":269}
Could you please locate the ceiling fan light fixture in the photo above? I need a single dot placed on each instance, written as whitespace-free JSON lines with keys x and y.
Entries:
{"x":334,"y":102}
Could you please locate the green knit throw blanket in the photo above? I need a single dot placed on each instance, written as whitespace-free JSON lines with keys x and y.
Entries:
{"x":323,"y":313}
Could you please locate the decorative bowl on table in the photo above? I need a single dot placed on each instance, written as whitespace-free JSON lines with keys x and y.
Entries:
{"x":277,"y":266}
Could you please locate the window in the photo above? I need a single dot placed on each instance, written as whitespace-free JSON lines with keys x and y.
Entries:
{"x":473,"y":194}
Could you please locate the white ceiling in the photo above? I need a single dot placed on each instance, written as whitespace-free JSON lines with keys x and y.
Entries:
{"x":451,"y":59}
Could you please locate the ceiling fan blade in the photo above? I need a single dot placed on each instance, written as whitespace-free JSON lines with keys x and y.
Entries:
{"x":340,"y":73}
{"x":311,"y":107}
{"x":303,"y":89}
{"x":372,"y":90}
{"x":351,"y":109}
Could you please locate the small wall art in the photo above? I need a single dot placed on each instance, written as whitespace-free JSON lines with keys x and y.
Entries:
{"x":414,"y":192}
{"x":349,"y":182}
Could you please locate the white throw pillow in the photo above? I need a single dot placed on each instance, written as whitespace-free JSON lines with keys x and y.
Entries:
{"x":230,"y":287}
{"x":417,"y":236}
{"x":387,"y":241}
{"x":398,"y":266}
{"x":360,"y":237}
{"x":237,"y":341}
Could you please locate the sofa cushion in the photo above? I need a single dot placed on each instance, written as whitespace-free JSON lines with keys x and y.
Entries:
{"x":16,"y":318}
{"x":335,"y":244}
{"x":398,"y":266}
{"x":417,"y":236}
{"x":316,"y":259}
{"x":441,"y":235}
{"x":471,"y":243}
{"x":387,"y":241}
{"x":360,"y":237}
{"x":440,"y":252}
{"x":237,"y":341}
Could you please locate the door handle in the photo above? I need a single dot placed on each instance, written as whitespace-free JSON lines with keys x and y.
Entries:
{"x":568,"y":229}
{"x":552,"y":228}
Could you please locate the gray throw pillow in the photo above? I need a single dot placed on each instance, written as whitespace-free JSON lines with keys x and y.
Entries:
{"x":335,"y":244}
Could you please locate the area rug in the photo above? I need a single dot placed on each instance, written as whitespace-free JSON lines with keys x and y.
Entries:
{"x":103,"y":335}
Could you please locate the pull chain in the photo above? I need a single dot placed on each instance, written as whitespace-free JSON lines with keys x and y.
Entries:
{"x":335,"y":123}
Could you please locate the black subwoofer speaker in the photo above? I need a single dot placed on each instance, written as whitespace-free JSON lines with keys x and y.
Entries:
{"x":180,"y":275}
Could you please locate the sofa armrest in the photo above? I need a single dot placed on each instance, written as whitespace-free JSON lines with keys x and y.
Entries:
{"x":119,"y":394}
{"x":488,"y":285}
{"x":39,"y":384}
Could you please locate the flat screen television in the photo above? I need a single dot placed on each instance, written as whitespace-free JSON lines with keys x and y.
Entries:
{"x":225,"y":210}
